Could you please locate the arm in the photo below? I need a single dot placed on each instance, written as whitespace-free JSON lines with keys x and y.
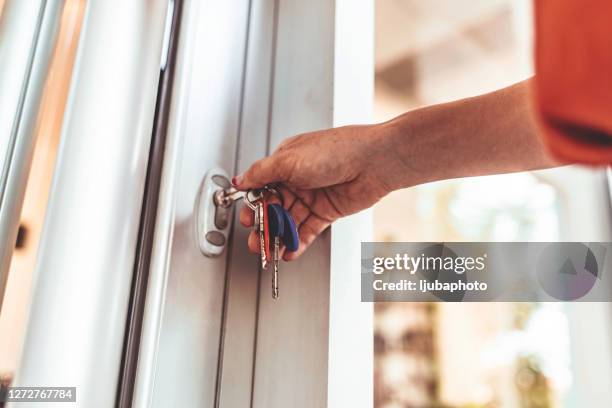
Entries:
{"x":328,"y":174}
{"x":488,"y":134}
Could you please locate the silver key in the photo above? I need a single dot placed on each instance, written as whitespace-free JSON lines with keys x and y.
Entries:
{"x":275,"y":273}
{"x":254,"y":200}
{"x":262,"y":236}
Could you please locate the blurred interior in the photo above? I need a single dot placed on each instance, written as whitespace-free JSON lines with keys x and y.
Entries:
{"x":480,"y":354}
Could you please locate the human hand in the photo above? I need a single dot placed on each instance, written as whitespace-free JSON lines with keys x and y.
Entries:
{"x":322,"y":176}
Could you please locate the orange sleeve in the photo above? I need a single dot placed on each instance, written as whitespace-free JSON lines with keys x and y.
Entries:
{"x":574,"y":78}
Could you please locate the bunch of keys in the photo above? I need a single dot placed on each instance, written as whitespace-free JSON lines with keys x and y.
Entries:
{"x":274,"y":224}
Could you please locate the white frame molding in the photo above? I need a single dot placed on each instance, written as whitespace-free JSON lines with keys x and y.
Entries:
{"x":76,"y":326}
{"x":28,"y":32}
{"x":313,"y":345}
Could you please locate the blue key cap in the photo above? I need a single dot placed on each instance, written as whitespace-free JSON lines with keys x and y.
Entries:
{"x":276,"y":221}
{"x":290,"y":234}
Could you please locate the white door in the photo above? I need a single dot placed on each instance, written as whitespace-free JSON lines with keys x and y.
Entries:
{"x":142,"y":318}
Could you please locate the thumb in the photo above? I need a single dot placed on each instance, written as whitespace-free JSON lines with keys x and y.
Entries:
{"x":265,"y":171}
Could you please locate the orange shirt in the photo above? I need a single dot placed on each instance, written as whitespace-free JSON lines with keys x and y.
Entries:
{"x":574,"y":78}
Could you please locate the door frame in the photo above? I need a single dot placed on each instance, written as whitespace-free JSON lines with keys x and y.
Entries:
{"x":76,"y":322}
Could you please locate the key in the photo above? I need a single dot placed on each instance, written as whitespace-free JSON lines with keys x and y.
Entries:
{"x":226,"y":197}
{"x":262,"y":235}
{"x":267,"y":193}
{"x":267,"y":241}
{"x":276,"y":230}
{"x":254,"y":199}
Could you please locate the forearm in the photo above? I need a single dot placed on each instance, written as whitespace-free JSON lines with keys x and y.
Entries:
{"x":489,"y":134}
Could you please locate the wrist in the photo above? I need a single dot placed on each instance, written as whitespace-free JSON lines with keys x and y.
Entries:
{"x":382,"y":164}
{"x":393,"y":149}
{"x":414,"y":147}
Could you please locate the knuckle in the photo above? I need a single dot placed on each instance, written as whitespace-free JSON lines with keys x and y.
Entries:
{"x":287,"y":143}
{"x":283,"y":146}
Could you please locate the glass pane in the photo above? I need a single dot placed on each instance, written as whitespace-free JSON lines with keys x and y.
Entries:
{"x":47,"y":135}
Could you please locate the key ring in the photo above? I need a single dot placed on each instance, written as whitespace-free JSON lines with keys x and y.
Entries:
{"x":275,"y":192}
{"x":251,"y":197}
{"x":257,"y":194}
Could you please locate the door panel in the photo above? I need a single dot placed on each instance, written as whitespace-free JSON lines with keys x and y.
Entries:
{"x":249,"y":75}
{"x":205,"y":117}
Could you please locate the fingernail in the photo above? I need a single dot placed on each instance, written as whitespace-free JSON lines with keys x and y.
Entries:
{"x":237,"y":180}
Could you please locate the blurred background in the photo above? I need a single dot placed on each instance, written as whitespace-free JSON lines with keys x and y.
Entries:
{"x":426,"y":355}
{"x":481,"y":354}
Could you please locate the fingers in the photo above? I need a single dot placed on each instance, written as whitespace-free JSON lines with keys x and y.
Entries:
{"x":268,"y":170}
{"x":246,"y":216}
{"x":253,"y":242}
{"x":299,"y":212}
{"x":288,"y":197}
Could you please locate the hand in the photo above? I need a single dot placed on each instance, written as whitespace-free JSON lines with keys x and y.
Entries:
{"x":322,"y":176}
